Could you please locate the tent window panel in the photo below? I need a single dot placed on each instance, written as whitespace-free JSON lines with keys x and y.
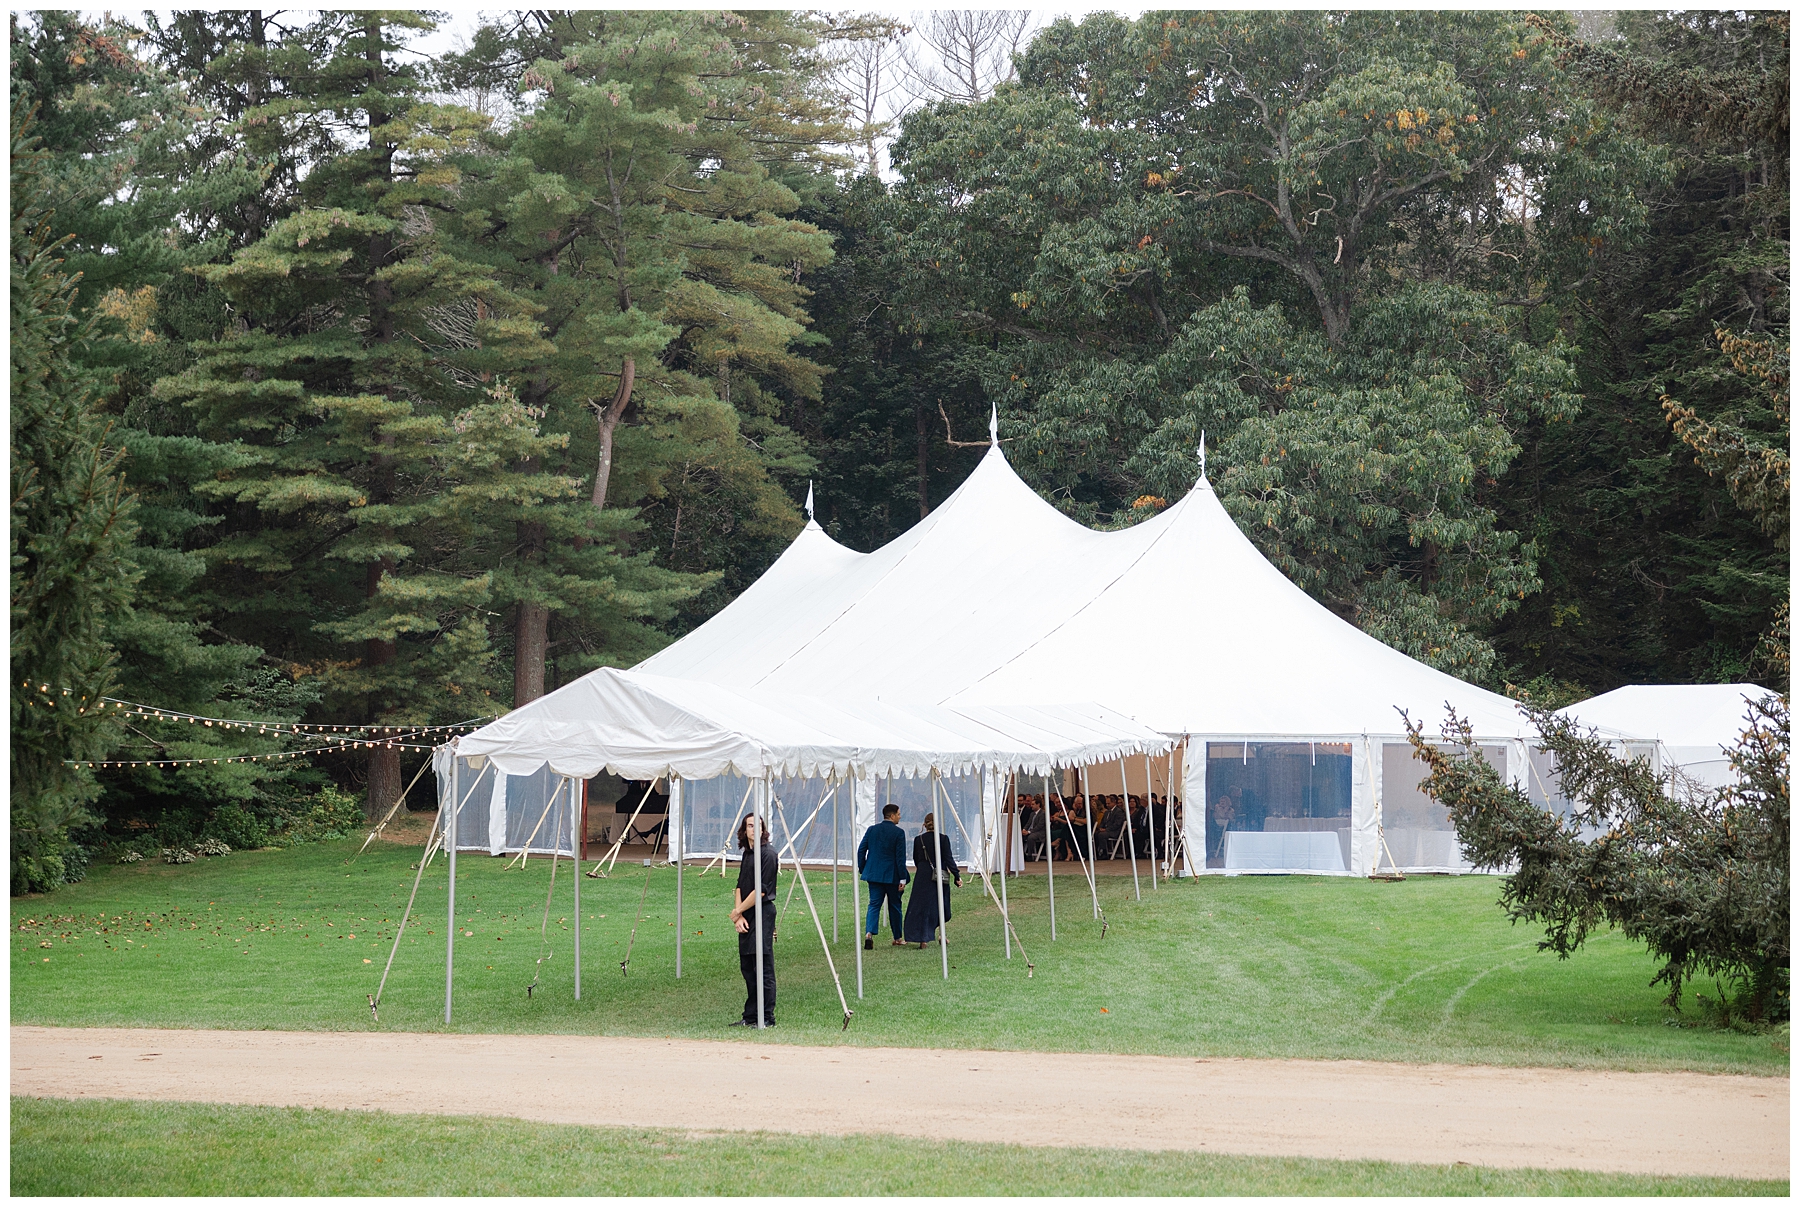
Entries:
{"x":526,"y":819}
{"x":1268,"y":789}
{"x":1418,"y":830}
{"x":477,"y":789}
{"x":714,"y":807}
{"x":915,"y":798}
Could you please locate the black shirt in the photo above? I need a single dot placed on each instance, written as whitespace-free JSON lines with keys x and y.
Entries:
{"x":746,"y":881}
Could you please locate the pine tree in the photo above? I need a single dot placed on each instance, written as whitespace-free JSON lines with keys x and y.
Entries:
{"x":356,"y":380}
{"x":71,"y":536}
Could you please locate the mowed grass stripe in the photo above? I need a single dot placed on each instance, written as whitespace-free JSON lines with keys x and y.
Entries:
{"x":62,"y":1147}
{"x":1425,"y":970}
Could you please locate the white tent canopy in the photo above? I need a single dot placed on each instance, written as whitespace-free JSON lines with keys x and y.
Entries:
{"x":1695,"y":725}
{"x":641,"y":726}
{"x":997,"y":597}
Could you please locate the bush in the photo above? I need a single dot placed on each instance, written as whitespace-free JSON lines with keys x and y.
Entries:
{"x":330,"y":814}
{"x":178,"y":855}
{"x":75,"y":863}
{"x":236,"y":827}
{"x":212,"y":846}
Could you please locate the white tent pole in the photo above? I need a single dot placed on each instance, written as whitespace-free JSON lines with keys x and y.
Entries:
{"x":1130,"y":838}
{"x":1012,"y":784}
{"x":450,"y":940}
{"x":1169,"y":804}
{"x":1150,"y":814}
{"x":834,"y":862}
{"x":806,"y":891}
{"x":989,"y":887}
{"x":680,"y":858}
{"x":575,"y":852}
{"x":759,"y":805}
{"x":937,"y":876}
{"x":856,"y":895}
{"x":1091,"y":864}
{"x":1049,"y":857}
{"x":981,"y":870}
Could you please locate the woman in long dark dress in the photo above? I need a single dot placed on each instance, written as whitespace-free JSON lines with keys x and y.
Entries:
{"x":931,"y":851}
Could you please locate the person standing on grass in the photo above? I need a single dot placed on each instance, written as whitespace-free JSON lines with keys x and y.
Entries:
{"x":743,"y":916}
{"x":881,"y":862}
{"x":936,"y":865}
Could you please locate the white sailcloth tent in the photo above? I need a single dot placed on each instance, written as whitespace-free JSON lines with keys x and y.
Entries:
{"x":1691,"y":726}
{"x":1179,"y":623}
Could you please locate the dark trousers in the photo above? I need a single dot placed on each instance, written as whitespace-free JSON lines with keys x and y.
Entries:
{"x":747,"y":966}
{"x":877,"y":894}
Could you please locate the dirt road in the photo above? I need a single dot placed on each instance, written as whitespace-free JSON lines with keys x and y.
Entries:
{"x":1667,"y":1123}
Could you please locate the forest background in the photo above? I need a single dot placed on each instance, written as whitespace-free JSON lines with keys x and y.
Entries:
{"x":357,"y":391}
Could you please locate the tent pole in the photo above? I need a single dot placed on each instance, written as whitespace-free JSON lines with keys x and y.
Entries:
{"x":834,"y":863}
{"x":680,"y":857}
{"x":575,"y":849}
{"x":1049,"y":857}
{"x":980,"y":869}
{"x":759,"y":805}
{"x":1093,"y":860}
{"x":1012,"y":784}
{"x":1169,"y":806}
{"x":937,"y":876}
{"x":1130,"y":838}
{"x":450,"y":940}
{"x":806,"y":891}
{"x":856,"y":895}
{"x":1150,"y":816}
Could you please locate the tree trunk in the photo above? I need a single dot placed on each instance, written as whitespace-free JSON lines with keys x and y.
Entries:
{"x":924,"y":462}
{"x":384,"y":761}
{"x":609,"y":423}
{"x":532,"y":619}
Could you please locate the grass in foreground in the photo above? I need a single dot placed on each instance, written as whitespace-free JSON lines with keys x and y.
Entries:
{"x":64,"y":1147}
{"x":1425,"y":970}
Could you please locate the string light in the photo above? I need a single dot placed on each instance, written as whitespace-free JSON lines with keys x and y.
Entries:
{"x":321,"y":734}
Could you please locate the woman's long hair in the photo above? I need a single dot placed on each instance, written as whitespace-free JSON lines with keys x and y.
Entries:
{"x":743,"y":837}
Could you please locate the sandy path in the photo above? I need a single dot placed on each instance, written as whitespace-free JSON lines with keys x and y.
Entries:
{"x":1669,"y":1123}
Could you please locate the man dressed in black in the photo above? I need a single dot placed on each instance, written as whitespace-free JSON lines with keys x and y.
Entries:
{"x":743,"y":916}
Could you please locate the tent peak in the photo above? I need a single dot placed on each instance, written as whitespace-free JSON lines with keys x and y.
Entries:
{"x":1202,"y":451}
{"x":809,"y":502}
{"x":993,"y":425}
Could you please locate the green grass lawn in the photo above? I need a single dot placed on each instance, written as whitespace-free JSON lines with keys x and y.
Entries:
{"x":1425,"y":970}
{"x":168,"y":1148}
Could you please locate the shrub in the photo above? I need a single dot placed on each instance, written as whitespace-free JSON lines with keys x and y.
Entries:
{"x":178,"y":855}
{"x":212,"y":846}
{"x":232,"y":826}
{"x":329,"y":814}
{"x":130,"y":856}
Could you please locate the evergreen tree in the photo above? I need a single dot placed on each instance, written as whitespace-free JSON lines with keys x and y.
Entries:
{"x":71,"y":537}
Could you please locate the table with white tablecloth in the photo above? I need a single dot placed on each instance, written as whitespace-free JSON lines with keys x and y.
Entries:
{"x":1284,"y":851}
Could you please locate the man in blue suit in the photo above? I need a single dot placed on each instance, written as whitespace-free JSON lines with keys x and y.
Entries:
{"x":882,"y":861}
